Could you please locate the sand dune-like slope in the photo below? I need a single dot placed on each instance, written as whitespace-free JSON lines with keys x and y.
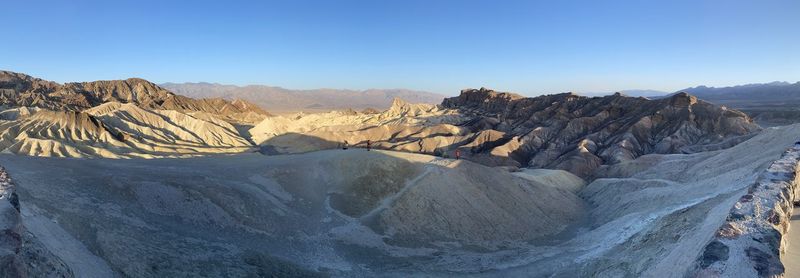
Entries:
{"x":346,"y":213}
{"x":115,"y":130}
{"x":167,"y":126}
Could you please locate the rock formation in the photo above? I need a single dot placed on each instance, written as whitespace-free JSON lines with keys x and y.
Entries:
{"x":116,"y":130}
{"x":563,"y":131}
{"x":117,"y":119}
{"x":20,"y":90}
{"x":576,"y":133}
{"x":651,"y":207}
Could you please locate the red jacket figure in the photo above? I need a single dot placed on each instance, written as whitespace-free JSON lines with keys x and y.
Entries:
{"x":458,"y":154}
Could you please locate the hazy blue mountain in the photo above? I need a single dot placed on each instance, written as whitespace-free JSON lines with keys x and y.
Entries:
{"x":645,"y":93}
{"x":769,"y":104}
{"x":280,"y":99}
{"x":779,"y":91}
{"x":634,"y":93}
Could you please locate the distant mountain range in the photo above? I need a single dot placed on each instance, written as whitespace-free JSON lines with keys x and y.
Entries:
{"x":277,"y":99}
{"x":769,"y":104}
{"x":632,"y":93}
{"x":645,"y":93}
{"x":780,"y":91}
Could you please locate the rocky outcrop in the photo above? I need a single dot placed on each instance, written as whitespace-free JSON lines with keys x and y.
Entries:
{"x":578,"y":134}
{"x":20,"y":90}
{"x":750,"y":242}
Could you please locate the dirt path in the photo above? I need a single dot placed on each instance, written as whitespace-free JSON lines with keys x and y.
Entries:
{"x":389,"y":201}
{"x":791,"y":259}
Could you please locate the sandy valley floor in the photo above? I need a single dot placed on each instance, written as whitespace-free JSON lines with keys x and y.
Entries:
{"x":358,"y":213}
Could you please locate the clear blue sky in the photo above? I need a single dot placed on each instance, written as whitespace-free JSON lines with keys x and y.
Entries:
{"x":530,"y":47}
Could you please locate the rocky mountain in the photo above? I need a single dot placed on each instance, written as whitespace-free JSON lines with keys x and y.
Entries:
{"x":563,"y":131}
{"x":578,"y":133}
{"x":652,"y":189}
{"x":136,"y":118}
{"x":20,"y":90}
{"x":117,"y":119}
{"x":319,"y":100}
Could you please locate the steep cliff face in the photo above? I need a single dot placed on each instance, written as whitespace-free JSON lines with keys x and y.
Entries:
{"x":577,"y":133}
{"x":20,"y":90}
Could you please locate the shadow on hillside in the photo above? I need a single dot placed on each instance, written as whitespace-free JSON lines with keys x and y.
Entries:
{"x":294,"y":143}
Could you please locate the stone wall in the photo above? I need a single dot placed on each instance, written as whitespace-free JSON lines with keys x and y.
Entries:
{"x":750,"y":242}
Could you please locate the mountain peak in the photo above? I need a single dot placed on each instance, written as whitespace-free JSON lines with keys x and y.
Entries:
{"x":682,"y":99}
{"x":79,"y":96}
{"x":398,"y":103}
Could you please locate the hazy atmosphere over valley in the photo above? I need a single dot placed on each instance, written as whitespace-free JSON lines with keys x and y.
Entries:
{"x":400,"y":139}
